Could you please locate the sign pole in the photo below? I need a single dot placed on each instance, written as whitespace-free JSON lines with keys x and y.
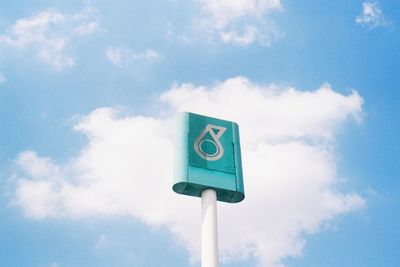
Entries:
{"x":208,"y":164}
{"x":209,"y":229}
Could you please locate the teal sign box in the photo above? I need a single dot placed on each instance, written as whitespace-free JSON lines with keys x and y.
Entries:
{"x":207,"y":155}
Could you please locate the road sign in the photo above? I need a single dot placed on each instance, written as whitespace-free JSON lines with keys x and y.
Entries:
{"x":207,"y":156}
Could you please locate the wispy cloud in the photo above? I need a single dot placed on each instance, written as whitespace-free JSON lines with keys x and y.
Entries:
{"x":288,"y":145}
{"x":2,"y":78}
{"x":102,"y":243}
{"x":48,"y":34}
{"x":239,"y":22}
{"x":371,"y":16}
{"x":114,"y":55}
{"x":119,"y":56}
{"x":87,"y":29}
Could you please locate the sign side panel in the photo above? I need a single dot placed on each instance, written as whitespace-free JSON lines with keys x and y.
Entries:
{"x":181,"y":159}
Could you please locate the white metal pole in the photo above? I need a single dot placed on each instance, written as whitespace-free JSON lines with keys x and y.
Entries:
{"x":209,"y":229}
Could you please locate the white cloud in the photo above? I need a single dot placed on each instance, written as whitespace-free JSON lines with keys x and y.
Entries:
{"x":49,"y":33}
{"x":289,"y":113}
{"x":287,"y":139}
{"x":371,"y":16}
{"x":38,"y":167}
{"x":2,"y":78}
{"x":239,"y":22}
{"x":119,"y":56}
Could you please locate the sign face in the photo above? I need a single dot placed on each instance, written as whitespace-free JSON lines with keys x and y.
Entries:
{"x":208,"y":148}
{"x":207,"y":155}
{"x":210,"y":144}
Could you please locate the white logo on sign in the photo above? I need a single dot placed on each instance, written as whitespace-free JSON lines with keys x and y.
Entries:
{"x":216,"y":132}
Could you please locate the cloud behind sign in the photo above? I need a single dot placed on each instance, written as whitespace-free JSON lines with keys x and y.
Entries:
{"x":289,"y":158}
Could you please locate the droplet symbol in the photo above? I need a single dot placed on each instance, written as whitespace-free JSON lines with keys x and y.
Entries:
{"x":207,"y":144}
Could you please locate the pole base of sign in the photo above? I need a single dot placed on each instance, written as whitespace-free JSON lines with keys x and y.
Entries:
{"x":209,"y":229}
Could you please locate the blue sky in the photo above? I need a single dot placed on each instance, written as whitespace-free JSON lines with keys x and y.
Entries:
{"x":87,"y":93}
